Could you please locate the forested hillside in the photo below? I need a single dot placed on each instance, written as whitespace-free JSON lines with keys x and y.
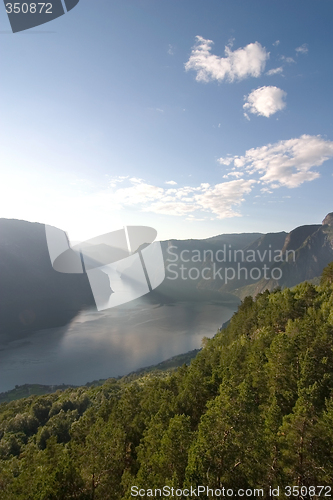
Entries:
{"x":254,"y":409}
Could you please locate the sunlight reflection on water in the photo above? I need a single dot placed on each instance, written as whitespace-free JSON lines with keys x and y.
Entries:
{"x":115,"y":342}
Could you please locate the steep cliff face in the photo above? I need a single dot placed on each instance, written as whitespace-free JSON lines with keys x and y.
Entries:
{"x":32,"y":295}
{"x":297,"y":237}
{"x":313,"y":247}
{"x":328,"y":221}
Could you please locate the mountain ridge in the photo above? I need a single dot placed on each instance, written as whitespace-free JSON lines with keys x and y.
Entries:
{"x":33,"y":296}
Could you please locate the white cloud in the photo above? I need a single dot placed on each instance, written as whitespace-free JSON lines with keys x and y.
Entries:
{"x":139,"y":192}
{"x":170,"y":208}
{"x":265,"y":101}
{"x":136,"y":180}
{"x":115,"y":180}
{"x":287,"y":59}
{"x":276,"y":43}
{"x":275,"y":71}
{"x":236,"y":65}
{"x":226,"y":161}
{"x":287,"y":163}
{"x":172,"y":183}
{"x":219,"y":199}
{"x":303,"y":49}
{"x":171,"y":50}
{"x":237,"y":173}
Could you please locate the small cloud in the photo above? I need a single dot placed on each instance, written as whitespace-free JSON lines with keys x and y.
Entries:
{"x":172,"y":183}
{"x":265,"y":101}
{"x":219,"y":125}
{"x":159,"y":110}
{"x":288,"y":60}
{"x":231,"y":42}
{"x":136,"y":180}
{"x":116,"y":180}
{"x":303,"y":49}
{"x":171,"y":50}
{"x":225,"y":161}
{"x":236,"y":65}
{"x":276,"y":43}
{"x":219,"y":199}
{"x":275,"y":71}
{"x":236,"y":173}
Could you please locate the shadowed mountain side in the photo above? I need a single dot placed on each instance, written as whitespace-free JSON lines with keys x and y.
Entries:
{"x":32,"y":295}
{"x":218,"y":253}
{"x":242,"y":240}
{"x":300,"y":255}
{"x":312,"y":255}
{"x":297,"y":237}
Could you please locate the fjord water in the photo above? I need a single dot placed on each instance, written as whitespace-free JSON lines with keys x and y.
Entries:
{"x":109,"y":343}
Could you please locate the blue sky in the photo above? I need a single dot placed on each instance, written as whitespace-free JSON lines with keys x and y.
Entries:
{"x":196,"y":118}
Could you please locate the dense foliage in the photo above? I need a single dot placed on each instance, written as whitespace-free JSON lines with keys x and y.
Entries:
{"x":254,"y":409}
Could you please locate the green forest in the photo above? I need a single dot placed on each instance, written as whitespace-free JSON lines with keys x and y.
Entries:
{"x":254,"y":409}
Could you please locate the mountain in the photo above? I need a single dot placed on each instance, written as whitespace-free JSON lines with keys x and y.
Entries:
{"x":313,"y":251}
{"x":32,"y":295}
{"x":249,"y":264}
{"x":220,"y":269}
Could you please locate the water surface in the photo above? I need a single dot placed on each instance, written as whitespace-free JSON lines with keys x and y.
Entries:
{"x":109,"y":343}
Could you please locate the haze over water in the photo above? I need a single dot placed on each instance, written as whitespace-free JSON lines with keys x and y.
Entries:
{"x":109,"y":344}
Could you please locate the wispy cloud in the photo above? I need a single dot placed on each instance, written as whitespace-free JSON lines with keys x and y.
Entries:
{"x":171,"y":50}
{"x":303,"y":49}
{"x":287,"y":163}
{"x":233,"y":173}
{"x":172,"y":183}
{"x":275,"y":71}
{"x":219,"y":200}
{"x":288,"y":60}
{"x":276,"y":43}
{"x":236,"y":65}
{"x":226,"y":161}
{"x":265,"y":101}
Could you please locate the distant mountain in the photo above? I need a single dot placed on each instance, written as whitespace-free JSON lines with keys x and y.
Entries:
{"x":247,"y":264}
{"x":220,"y":269}
{"x":313,"y":247}
{"x":32,"y":295}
